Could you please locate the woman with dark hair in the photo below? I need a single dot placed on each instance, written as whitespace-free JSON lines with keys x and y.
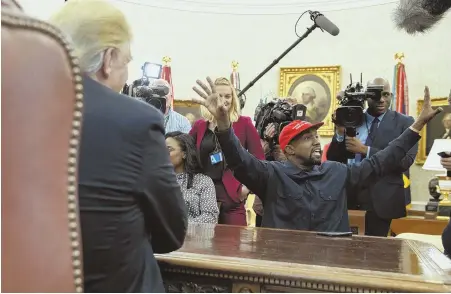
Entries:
{"x":198,"y":189}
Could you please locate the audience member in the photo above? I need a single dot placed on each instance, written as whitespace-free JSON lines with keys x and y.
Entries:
{"x":198,"y":189}
{"x":124,"y":168}
{"x":383,"y":199}
{"x":191,"y":118}
{"x":302,"y":193}
{"x":230,"y":193}
{"x":173,"y":121}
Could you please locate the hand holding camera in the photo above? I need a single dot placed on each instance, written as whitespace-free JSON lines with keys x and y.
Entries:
{"x":354,"y":145}
{"x":270,"y":132}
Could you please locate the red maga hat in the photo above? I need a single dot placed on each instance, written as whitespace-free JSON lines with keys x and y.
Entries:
{"x":293,"y":129}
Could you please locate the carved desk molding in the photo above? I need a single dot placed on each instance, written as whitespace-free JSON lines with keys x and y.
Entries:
{"x":419,"y":268}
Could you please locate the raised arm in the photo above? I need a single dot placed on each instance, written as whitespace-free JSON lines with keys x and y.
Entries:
{"x":383,"y":162}
{"x":247,"y":169}
{"x":408,"y":160}
{"x":163,"y":205}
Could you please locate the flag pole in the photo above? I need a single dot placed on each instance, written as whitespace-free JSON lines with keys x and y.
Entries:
{"x":166,"y":74}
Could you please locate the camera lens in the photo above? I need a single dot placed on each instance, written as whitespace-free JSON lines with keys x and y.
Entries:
{"x":156,"y":103}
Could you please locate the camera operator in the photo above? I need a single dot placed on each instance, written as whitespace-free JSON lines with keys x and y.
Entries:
{"x":302,"y":193}
{"x":124,"y":166}
{"x":173,"y":121}
{"x":383,"y":199}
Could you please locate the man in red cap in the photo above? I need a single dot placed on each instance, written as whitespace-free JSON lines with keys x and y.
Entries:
{"x":302,"y":193}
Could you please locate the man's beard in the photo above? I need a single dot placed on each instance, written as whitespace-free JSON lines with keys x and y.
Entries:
{"x":312,"y":160}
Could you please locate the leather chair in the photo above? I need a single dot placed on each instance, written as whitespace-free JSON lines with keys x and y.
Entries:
{"x":41,"y":118}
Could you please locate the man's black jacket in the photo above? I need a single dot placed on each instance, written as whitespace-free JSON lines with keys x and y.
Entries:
{"x":308,"y":200}
{"x":130,"y":202}
{"x":386,"y":195}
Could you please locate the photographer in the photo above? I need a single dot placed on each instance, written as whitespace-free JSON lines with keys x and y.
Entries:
{"x":302,"y":193}
{"x":173,"y":121}
{"x":383,"y":199}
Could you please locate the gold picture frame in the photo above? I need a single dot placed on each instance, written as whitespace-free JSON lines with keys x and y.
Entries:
{"x":432,"y":130}
{"x":321,"y":82}
{"x":186,"y":107}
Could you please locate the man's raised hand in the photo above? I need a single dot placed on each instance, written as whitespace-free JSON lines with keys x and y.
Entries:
{"x":213,"y":102}
{"x":428,"y":113}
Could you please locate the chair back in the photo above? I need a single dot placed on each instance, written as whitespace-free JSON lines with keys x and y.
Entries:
{"x":42,"y":101}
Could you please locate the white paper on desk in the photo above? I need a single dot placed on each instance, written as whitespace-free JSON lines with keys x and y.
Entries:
{"x":433,"y":160}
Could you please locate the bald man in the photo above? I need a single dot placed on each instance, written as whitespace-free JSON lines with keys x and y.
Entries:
{"x":173,"y":121}
{"x":384,"y":199}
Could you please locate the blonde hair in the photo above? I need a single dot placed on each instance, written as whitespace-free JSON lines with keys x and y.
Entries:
{"x":235,"y":108}
{"x":447,"y":117}
{"x":93,"y":26}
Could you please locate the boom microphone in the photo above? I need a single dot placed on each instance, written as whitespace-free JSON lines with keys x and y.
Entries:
{"x":418,"y":16}
{"x":324,"y":23}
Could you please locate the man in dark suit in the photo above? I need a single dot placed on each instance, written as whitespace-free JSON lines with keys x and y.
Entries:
{"x":130,"y":203}
{"x":384,"y":199}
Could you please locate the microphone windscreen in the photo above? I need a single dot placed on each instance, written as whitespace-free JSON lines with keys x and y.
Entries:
{"x":327,"y":25}
{"x":418,"y":16}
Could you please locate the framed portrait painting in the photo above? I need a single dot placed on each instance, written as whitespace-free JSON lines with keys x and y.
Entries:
{"x":188,"y":109}
{"x":438,"y":128}
{"x":316,"y":88}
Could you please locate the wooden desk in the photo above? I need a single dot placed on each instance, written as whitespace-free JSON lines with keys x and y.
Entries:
{"x":239,"y":259}
{"x":419,"y":225}
{"x":357,"y":221}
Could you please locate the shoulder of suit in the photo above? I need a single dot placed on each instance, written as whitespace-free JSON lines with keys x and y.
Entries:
{"x":139,"y":111}
{"x":245,"y":120}
{"x":402,"y":117}
{"x":199,"y":122}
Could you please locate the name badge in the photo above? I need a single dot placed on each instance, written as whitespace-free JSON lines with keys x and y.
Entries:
{"x":216,"y":157}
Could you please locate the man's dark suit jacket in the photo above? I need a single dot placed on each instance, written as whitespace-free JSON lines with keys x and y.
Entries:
{"x":130,"y":203}
{"x":386,"y":196}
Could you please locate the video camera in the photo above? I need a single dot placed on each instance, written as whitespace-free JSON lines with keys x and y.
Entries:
{"x":153,"y":95}
{"x":278,"y":112}
{"x":352,"y":104}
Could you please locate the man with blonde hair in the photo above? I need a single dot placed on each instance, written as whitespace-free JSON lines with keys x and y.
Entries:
{"x":130,"y":203}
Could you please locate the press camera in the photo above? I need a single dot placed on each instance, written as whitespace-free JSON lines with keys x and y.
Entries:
{"x":278,"y":112}
{"x":352,"y":104}
{"x":153,"y":95}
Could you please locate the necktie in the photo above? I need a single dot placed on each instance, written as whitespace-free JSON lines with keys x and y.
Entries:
{"x":369,"y":138}
{"x":372,"y":132}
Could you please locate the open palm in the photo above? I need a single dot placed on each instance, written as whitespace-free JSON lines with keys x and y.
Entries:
{"x":211,"y":100}
{"x":428,"y":113}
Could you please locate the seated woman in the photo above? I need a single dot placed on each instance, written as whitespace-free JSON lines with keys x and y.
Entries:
{"x":198,"y":189}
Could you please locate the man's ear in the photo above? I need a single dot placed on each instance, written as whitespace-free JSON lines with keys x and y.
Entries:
{"x":108,"y":59}
{"x":289,"y":149}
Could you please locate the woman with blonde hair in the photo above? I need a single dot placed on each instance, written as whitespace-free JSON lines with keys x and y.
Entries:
{"x":230,"y":193}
